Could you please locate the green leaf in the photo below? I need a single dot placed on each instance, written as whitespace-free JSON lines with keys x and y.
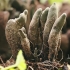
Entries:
{"x":43,"y":1}
{"x":1,"y":68}
{"x":12,"y":69}
{"x":56,"y":1}
{"x":20,"y":62}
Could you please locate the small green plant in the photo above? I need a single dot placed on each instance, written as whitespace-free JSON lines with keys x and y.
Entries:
{"x":19,"y":65}
{"x":58,"y":1}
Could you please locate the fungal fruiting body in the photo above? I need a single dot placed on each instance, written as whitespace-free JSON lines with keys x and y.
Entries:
{"x":52,"y":16}
{"x":11,"y":32}
{"x":33,"y":32}
{"x":54,"y":36}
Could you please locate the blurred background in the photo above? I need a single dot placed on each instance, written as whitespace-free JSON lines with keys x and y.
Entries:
{"x":10,"y":9}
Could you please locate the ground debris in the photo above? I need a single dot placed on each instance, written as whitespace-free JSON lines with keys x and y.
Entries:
{"x":46,"y":65}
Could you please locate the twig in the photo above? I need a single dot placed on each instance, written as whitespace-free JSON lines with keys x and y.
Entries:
{"x":68,"y":57}
{"x":32,"y":43}
{"x":62,"y":55}
{"x":30,"y":67}
{"x":2,"y":62}
{"x":11,"y":57}
{"x":41,"y":51}
{"x":46,"y":65}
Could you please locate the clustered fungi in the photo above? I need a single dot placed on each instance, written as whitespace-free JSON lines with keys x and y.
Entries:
{"x":44,"y":31}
